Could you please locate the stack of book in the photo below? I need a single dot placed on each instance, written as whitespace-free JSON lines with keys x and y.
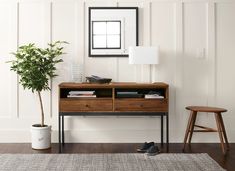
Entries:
{"x":153,"y":96}
{"x":81,"y":94}
{"x":128,"y":94}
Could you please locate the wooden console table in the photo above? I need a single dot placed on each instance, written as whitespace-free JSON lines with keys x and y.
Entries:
{"x":108,"y":103}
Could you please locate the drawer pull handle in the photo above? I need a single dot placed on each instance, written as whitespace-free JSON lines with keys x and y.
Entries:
{"x":87,"y":105}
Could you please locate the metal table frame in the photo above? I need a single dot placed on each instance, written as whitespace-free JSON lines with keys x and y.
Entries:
{"x":161,"y":114}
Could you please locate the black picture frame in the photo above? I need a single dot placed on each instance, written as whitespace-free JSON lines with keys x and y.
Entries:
{"x":90,"y":33}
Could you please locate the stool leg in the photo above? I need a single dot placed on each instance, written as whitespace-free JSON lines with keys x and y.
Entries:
{"x":187,"y":129}
{"x":220,"y":132}
{"x":192,"y":127}
{"x":223,"y":130}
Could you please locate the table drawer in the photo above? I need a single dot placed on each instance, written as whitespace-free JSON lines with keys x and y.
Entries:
{"x":73,"y":105}
{"x":158,"y":105}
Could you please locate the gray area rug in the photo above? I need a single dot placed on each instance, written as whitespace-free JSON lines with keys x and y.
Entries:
{"x":107,"y":162}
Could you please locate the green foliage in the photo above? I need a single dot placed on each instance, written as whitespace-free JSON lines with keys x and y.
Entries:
{"x":36,"y":66}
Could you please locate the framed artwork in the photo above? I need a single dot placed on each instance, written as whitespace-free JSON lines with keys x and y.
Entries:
{"x":112,"y":30}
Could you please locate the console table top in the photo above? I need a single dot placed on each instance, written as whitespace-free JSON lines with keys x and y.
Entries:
{"x":114,"y":85}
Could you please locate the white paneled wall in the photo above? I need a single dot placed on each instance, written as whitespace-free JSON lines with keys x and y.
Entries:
{"x":8,"y":36}
{"x":33,"y":22}
{"x":197,"y":50}
{"x":225,"y":52}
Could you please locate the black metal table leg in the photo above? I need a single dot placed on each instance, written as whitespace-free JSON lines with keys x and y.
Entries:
{"x":63,"y":129}
{"x":59,"y":131}
{"x":162,"y":130}
{"x":167,"y":132}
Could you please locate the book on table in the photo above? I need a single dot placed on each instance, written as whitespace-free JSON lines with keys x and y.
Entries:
{"x":129,"y":94}
{"x":153,"y":96}
{"x":82,"y":94}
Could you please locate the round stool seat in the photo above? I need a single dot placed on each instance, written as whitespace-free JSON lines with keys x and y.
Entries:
{"x":205,"y":109}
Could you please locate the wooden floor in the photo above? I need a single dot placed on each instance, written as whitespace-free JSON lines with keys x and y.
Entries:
{"x":214,"y":150}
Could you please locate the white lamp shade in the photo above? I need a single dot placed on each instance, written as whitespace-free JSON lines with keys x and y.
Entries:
{"x":143,"y":55}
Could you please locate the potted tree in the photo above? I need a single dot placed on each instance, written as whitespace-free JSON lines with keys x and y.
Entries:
{"x":36,"y":66}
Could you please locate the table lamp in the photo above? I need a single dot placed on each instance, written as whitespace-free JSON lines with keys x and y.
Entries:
{"x":144,"y":55}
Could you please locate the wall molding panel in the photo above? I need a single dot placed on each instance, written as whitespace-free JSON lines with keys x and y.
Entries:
{"x":8,"y":20}
{"x":196,"y":40}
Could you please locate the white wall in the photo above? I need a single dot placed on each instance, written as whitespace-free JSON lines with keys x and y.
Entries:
{"x":197,"y":47}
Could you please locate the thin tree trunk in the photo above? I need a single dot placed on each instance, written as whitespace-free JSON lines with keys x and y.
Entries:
{"x":42,"y":111}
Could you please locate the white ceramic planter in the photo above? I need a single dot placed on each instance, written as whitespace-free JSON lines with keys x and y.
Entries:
{"x":41,"y":137}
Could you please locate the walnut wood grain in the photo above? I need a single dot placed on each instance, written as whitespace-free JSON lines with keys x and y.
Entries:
{"x":76,"y":105}
{"x":206,"y":109}
{"x":219,"y":122}
{"x":112,"y":103}
{"x":129,"y":104}
{"x":114,"y":85}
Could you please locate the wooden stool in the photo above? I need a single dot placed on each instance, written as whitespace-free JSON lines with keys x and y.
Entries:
{"x":219,"y":123}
